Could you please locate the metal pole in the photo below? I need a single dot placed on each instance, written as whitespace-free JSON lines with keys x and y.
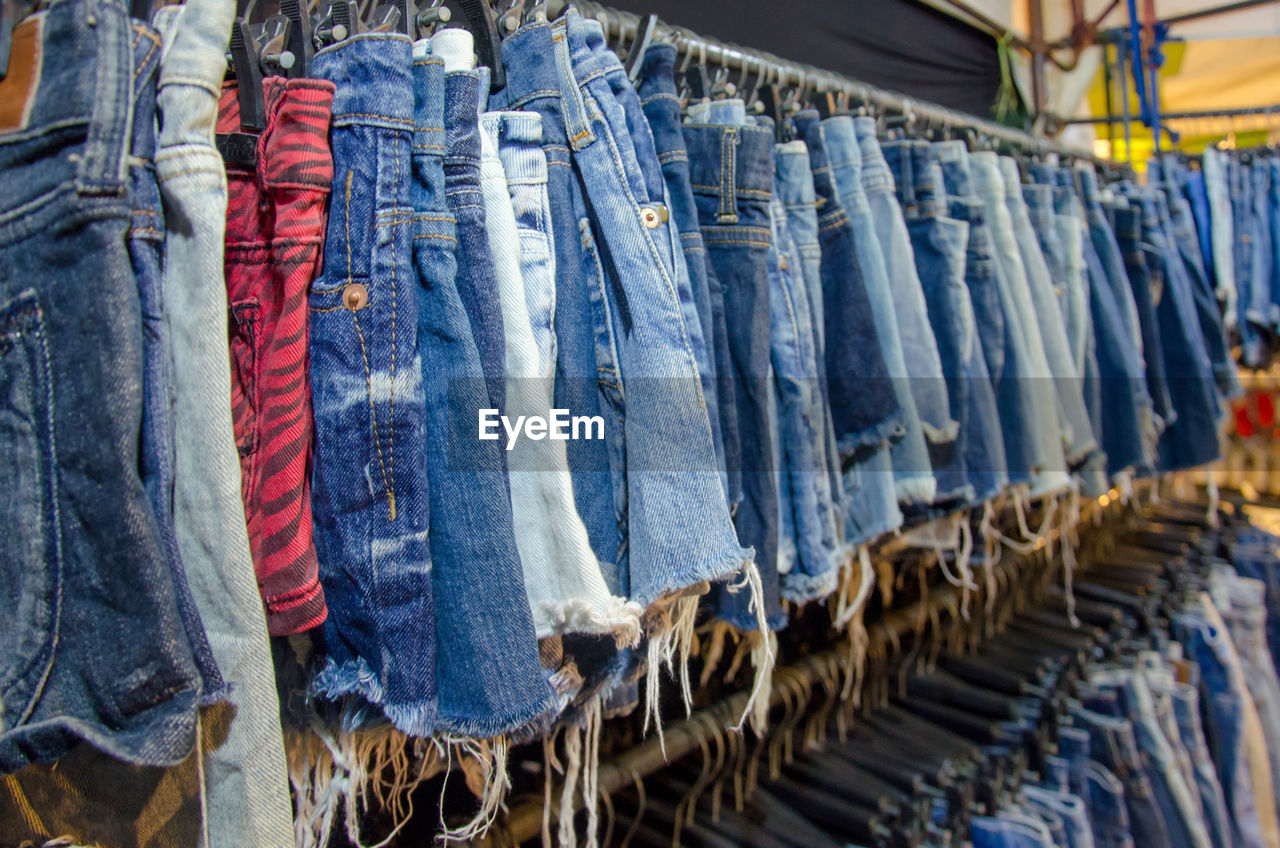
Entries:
{"x":1108,"y":85}
{"x":1122,"y":51}
{"x":1175,"y":116}
{"x":1216,"y":10}
{"x":1038,"y":50}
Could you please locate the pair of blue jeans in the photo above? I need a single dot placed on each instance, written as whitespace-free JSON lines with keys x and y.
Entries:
{"x":1125,"y":406}
{"x":656,"y":87}
{"x":1113,"y":744}
{"x":371,"y":513}
{"x":731,"y":170}
{"x":919,"y":346}
{"x":1128,"y":230}
{"x":471,"y":539}
{"x":71,"y":373}
{"x":661,"y":518}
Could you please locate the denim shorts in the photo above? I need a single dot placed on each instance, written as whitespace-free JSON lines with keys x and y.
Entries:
{"x":731,"y":169}
{"x":369,"y":482}
{"x":673,"y":511}
{"x":910,"y":449}
{"x":661,"y":105}
{"x":77,"y":563}
{"x":940,"y":245}
{"x":275,"y":229}
{"x":246,"y":782}
{"x":919,"y":347}
{"x":1139,"y":261}
{"x":489,"y":678}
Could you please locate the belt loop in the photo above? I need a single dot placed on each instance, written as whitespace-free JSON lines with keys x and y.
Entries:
{"x":573,"y":99}
{"x":728,"y":176}
{"x":908,"y":179}
{"x":105,"y":31}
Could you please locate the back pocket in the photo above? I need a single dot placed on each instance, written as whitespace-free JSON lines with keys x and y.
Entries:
{"x":31,"y":549}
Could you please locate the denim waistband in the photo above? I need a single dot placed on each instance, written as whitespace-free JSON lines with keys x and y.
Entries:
{"x":428,"y":95}
{"x":733,"y":163}
{"x":795,"y":178}
{"x":366,"y":69}
{"x":957,"y":176}
{"x":917,"y":180}
{"x":84,"y":80}
{"x":1012,"y":179}
{"x":987,"y":179}
{"x":875,"y":170}
{"x":1039,"y":200}
{"x":462,"y":127}
{"x":842,"y":143}
{"x":1086,"y":180}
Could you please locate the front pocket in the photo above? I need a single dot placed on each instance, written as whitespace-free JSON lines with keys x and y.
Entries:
{"x":31,"y":550}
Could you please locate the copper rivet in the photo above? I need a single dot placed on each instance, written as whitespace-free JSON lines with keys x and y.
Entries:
{"x":650,"y":218}
{"x":355,"y":296}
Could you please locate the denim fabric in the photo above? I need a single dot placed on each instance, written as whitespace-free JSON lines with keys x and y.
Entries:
{"x":919,"y":347}
{"x":1262,"y":308}
{"x":992,"y":832}
{"x":1273,"y":222}
{"x":146,"y":242}
{"x":1024,"y":360}
{"x":488,"y":673}
{"x":998,"y":331}
{"x":245,"y":779}
{"x":677,"y":522}
{"x":985,"y":461}
{"x":1186,"y":709}
{"x":1032,"y":287}
{"x":1107,"y":813}
{"x":795,"y":184}
{"x":1193,"y":438}
{"x":1183,"y":233}
{"x":372,"y":513}
{"x":1245,"y":613}
{"x":657,"y":90}
{"x":1210,"y":648}
{"x":561,"y":575}
{"x":1126,"y":425}
{"x":1069,"y":808}
{"x":1104,"y":242}
{"x":1147,"y":281}
{"x":1114,"y":745}
{"x":1221,"y":235}
{"x":731,"y":169}
{"x":75,"y":562}
{"x":940,"y":247}
{"x":1249,"y":320}
{"x":1051,"y":305}
{"x":864,"y":410}
{"x":476,"y":278}
{"x":587,"y":375}
{"x":807,"y":555}
{"x":910,"y":449}
{"x":1179,"y":805}
{"x":823,"y":462}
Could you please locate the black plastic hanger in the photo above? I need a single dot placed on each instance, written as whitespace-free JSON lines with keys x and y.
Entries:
{"x":644,"y":37}
{"x":484,"y":28}
{"x":248,"y":71}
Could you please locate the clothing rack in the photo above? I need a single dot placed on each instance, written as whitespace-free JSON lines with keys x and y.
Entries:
{"x":751,"y":62}
{"x":1176,"y":116}
{"x":524,"y":821}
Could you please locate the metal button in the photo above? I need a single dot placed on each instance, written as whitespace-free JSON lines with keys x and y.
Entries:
{"x":664,"y":213}
{"x":355,"y":297}
{"x":650,"y":217}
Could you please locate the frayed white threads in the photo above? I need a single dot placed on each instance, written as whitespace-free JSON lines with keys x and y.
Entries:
{"x":491,"y":756}
{"x":762,"y":654}
{"x":572,"y":771}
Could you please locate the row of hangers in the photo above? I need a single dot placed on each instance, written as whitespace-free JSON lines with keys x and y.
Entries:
{"x":938,"y":687}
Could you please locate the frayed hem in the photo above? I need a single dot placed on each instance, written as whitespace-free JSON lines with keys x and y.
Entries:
{"x":1078,"y":455}
{"x":710,"y":570}
{"x":887,"y":430}
{"x":805,"y":588}
{"x":867,"y":536}
{"x":940,"y":435}
{"x":527,"y":723}
{"x":616,"y":617}
{"x":355,"y":677}
{"x":916,"y":489}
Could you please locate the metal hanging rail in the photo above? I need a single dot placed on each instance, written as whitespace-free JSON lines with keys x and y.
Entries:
{"x":1179,"y":116}
{"x":750,"y":62}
